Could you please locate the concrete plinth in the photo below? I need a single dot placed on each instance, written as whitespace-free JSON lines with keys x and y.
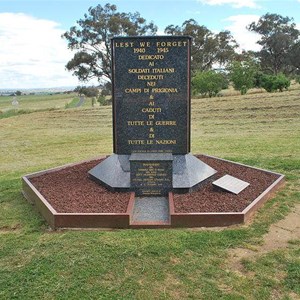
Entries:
{"x":188,"y":173}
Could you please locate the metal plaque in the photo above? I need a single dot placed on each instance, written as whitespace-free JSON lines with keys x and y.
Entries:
{"x":151,"y":174}
{"x":231,"y":184}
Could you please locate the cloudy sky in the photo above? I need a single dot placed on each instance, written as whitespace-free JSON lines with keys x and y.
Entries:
{"x":33,"y":54}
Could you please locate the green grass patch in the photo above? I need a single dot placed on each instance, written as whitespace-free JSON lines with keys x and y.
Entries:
{"x":72,"y":103}
{"x":17,"y":112}
{"x":293,"y":275}
{"x":261,"y":130}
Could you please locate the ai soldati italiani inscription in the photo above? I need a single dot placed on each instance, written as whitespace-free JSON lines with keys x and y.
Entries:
{"x":152,"y":159}
{"x":151,"y":95}
{"x":151,"y":118}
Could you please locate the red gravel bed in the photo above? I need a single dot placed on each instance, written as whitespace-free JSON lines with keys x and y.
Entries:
{"x":69,"y":190}
{"x":210,"y":199}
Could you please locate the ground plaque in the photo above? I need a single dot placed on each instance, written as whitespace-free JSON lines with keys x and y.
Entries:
{"x":151,"y":174}
{"x":151,"y":118}
{"x":231,"y":184}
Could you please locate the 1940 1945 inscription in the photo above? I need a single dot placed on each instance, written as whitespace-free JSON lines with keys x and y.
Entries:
{"x":151,"y":94}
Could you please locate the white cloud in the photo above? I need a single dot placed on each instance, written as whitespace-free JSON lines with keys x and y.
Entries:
{"x":234,"y":3}
{"x":160,"y":32}
{"x":246,"y":39}
{"x":32,"y":53}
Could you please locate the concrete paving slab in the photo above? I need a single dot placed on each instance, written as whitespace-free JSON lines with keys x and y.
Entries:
{"x":151,"y":209}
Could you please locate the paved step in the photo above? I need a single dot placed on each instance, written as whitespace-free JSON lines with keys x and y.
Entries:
{"x":151,"y":211}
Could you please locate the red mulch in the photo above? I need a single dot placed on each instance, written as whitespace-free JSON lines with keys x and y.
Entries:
{"x":210,"y":199}
{"x":69,"y":190}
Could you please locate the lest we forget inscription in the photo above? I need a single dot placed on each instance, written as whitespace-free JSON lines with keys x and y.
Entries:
{"x":151,"y":118}
{"x":151,"y":92}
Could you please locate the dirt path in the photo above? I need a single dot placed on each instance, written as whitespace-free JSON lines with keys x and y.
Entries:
{"x":277,"y":237}
{"x":81,"y":102}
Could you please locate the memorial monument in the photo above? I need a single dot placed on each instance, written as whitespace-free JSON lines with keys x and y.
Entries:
{"x":151,"y":119}
{"x":169,"y":187}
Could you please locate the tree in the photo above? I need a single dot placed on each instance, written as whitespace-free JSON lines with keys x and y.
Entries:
{"x":91,"y":39}
{"x":278,"y":38}
{"x":208,"y":83}
{"x":242,"y":75}
{"x":102,"y":100}
{"x":207,"y":48}
{"x":294,"y":56}
{"x":251,"y":58}
{"x":88,"y":91}
{"x":106,"y":88}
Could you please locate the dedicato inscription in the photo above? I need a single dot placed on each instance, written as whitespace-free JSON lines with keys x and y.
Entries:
{"x":151,"y":94}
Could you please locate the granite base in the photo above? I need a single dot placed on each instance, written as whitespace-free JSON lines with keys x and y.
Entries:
{"x":188,"y":173}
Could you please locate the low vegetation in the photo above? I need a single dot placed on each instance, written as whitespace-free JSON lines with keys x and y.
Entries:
{"x":272,"y":83}
{"x":209,"y":83}
{"x":259,"y":129}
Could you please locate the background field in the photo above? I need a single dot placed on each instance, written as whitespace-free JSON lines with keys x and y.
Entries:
{"x":36,"y":102}
{"x":258,"y":129}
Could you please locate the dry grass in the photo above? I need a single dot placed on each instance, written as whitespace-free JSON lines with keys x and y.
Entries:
{"x":36,"y":102}
{"x":35,"y":263}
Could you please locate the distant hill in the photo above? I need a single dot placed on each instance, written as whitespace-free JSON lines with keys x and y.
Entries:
{"x":7,"y":92}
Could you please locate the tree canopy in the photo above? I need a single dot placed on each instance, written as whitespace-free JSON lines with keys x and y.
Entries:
{"x":280,"y":43}
{"x":279,"y":38}
{"x":242,"y":74}
{"x":91,"y":39}
{"x":207,"y":48}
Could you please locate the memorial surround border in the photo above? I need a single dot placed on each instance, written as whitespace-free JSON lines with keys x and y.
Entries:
{"x":123,"y":220}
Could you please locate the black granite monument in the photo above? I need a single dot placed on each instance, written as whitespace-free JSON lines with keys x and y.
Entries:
{"x":151,"y":119}
{"x":151,"y":113}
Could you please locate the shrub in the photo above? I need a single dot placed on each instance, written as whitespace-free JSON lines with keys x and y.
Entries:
{"x":258,"y":79}
{"x":102,"y":100}
{"x":208,"y":83}
{"x":272,"y":83}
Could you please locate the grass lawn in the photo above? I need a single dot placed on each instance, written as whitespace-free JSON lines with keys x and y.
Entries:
{"x":261,"y":130}
{"x":36,"y":102}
